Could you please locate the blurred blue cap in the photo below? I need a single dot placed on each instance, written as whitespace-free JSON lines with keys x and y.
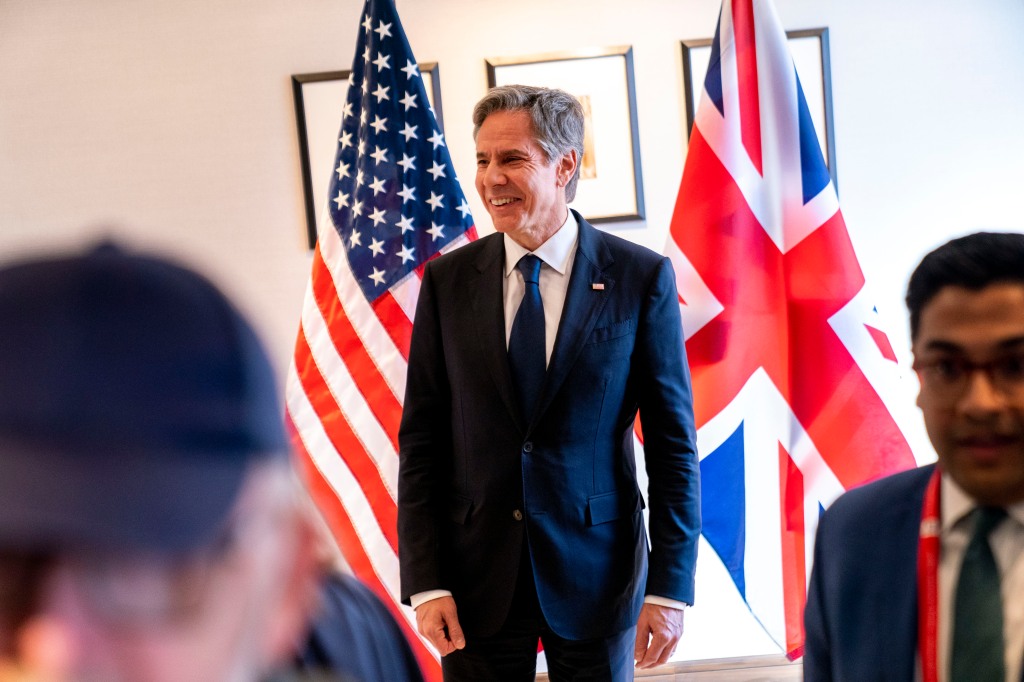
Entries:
{"x":134,"y":399}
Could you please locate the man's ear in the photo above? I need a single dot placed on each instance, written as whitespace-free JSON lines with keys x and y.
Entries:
{"x":567,"y":167}
{"x":302,"y":571}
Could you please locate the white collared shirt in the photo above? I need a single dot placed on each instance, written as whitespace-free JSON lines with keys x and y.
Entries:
{"x":557,"y":255}
{"x":1007,"y":542}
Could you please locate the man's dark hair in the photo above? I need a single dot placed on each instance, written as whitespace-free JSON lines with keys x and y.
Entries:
{"x":973,"y":262}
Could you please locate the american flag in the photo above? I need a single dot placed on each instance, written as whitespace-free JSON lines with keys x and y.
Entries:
{"x":394,"y":203}
{"x":788,"y":360}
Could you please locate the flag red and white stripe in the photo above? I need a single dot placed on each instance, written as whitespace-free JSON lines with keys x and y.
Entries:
{"x":394,"y":203}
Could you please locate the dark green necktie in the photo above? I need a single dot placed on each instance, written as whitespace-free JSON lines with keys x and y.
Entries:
{"x":977,"y":654}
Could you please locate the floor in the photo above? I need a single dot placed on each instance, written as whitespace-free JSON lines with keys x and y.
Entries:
{"x":749,"y":669}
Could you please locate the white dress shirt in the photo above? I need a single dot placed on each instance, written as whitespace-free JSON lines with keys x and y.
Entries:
{"x":557,"y":255}
{"x":1007,"y":542}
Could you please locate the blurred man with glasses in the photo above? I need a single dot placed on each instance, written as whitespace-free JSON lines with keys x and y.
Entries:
{"x":149,"y":524}
{"x":921,"y":575}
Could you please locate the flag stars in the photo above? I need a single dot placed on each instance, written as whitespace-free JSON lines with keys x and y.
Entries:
{"x":436,"y":201}
{"x":381,"y":93}
{"x":342,"y":170}
{"x":407,"y":193}
{"x":382,"y":61}
{"x":357,"y":209}
{"x":367,"y":24}
{"x":346,"y":110}
{"x":341,"y":200}
{"x":379,"y":155}
{"x":345,"y":140}
{"x":405,"y":224}
{"x":411,"y":70}
{"x":409,"y":101}
{"x":436,"y":231}
{"x":407,"y":163}
{"x":464,"y":208}
{"x":366,"y":54}
{"x":361,"y":147}
{"x":437,"y":139}
{"x":376,"y":246}
{"x":406,"y":254}
{"x":377,"y":216}
{"x":383,"y":30}
{"x":379,"y":124}
{"x":410,"y":132}
{"x":377,"y":276}
{"x":377,"y":185}
{"x":437,"y":170}
{"x":355,"y":239}
{"x":360,"y":179}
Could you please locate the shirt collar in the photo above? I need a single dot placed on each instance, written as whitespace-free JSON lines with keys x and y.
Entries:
{"x":555,"y":251}
{"x":957,"y":504}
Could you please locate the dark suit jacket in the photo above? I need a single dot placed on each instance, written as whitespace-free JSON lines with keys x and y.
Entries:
{"x":477,"y":479}
{"x":861,"y":615}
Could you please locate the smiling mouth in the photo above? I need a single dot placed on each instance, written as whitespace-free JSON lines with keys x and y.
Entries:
{"x":502,"y":201}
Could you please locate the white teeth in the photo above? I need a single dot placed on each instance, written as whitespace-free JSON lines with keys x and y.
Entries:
{"x":501,"y":202}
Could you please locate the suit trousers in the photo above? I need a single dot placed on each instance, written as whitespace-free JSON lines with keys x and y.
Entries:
{"x":510,"y":655}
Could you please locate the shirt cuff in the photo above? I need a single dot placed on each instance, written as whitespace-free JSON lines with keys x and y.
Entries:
{"x":429,"y":595}
{"x":664,"y":601}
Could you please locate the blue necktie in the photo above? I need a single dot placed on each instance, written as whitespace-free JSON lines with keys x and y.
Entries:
{"x":977,"y":654}
{"x":526,"y":349}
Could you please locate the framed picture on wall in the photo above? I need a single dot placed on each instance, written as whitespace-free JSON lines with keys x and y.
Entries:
{"x":810,"y":51}
{"x":611,"y":184}
{"x":319,"y":99}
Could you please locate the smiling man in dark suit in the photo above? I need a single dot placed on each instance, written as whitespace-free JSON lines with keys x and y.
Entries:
{"x":533,"y":350}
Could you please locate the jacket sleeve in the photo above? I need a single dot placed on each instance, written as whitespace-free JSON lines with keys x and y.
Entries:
{"x":670,"y":442}
{"x":424,"y":440}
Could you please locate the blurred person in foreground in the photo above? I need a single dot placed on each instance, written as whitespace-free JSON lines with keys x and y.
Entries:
{"x":151,"y":526}
{"x":921,"y":575}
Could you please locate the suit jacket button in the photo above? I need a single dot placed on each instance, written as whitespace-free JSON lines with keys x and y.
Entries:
{"x":528,"y":446}
{"x":517,"y":515}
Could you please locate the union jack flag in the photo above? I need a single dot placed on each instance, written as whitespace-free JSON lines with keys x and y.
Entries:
{"x":786,"y":355}
{"x":394,"y":203}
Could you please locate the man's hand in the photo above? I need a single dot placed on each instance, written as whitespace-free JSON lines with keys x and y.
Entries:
{"x":657,"y":633}
{"x":438,"y":621}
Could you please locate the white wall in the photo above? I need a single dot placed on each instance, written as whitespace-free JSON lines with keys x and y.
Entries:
{"x":171,"y":122}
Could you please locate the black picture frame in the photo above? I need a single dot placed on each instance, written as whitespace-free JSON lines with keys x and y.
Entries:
{"x":319,"y":98}
{"x":611,"y":181}
{"x":810,"y":50}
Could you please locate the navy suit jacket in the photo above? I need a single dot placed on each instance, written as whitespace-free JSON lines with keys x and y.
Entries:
{"x":861,"y":615}
{"x":477,"y":479}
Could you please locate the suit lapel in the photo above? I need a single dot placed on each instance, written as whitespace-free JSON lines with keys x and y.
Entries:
{"x":583,"y":305}
{"x":489,"y":321}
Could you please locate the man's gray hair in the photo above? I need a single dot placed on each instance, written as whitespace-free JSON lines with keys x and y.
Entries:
{"x":557,"y":119}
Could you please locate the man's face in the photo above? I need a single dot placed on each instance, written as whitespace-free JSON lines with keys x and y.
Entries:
{"x":968,"y":351}
{"x":522,"y":190}
{"x":227,"y":614}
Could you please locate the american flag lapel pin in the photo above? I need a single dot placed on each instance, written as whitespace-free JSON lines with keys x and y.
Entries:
{"x":597,"y":286}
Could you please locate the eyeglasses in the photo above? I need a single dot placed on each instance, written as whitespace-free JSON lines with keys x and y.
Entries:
{"x":950,"y":376}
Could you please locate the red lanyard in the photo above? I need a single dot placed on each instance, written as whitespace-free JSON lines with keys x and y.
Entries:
{"x":928,"y":582}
